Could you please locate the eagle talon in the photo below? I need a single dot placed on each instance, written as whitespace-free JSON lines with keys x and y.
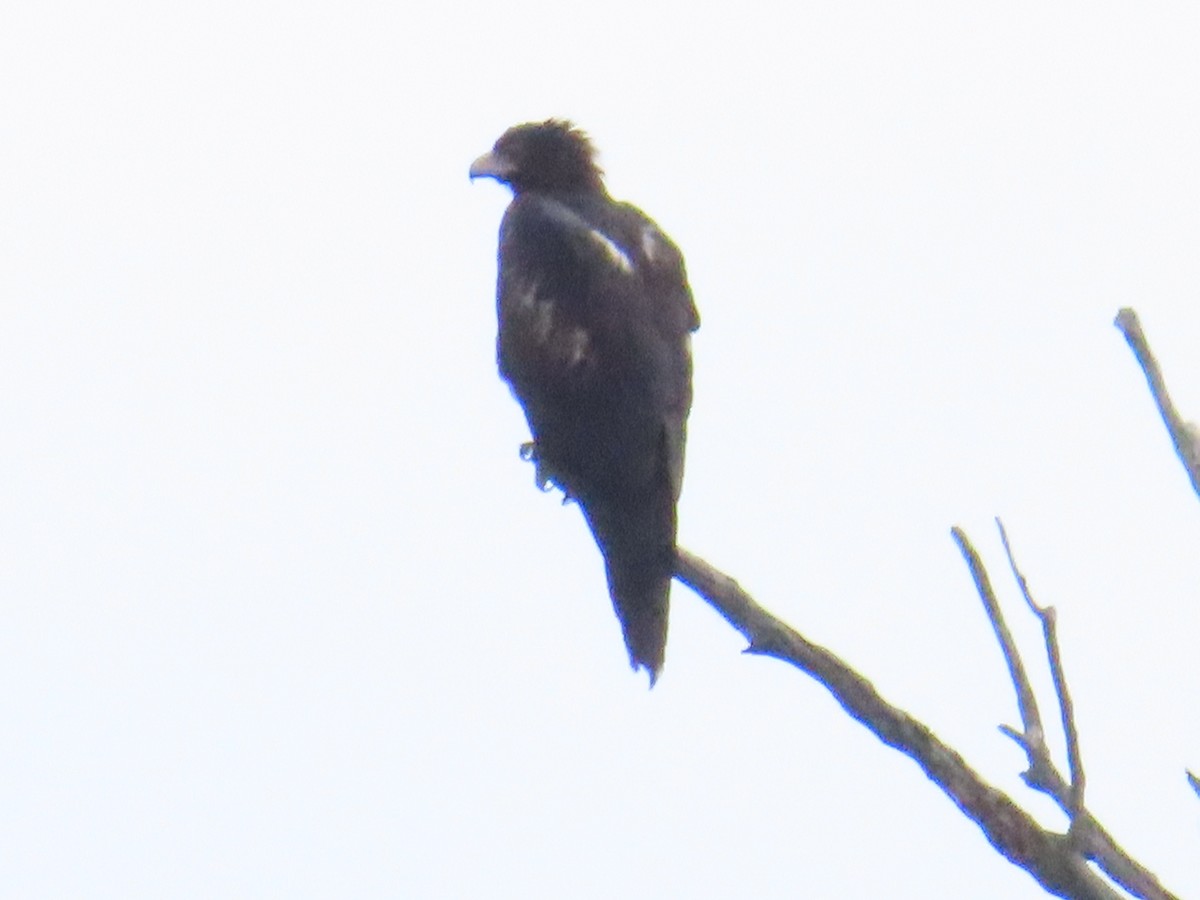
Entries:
{"x":542,"y":476}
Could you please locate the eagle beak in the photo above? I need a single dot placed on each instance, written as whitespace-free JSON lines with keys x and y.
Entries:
{"x":491,"y":166}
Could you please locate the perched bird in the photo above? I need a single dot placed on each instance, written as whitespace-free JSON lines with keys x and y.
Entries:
{"x":595,"y":316}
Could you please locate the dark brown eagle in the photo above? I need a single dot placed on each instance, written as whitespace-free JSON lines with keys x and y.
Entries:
{"x":595,"y":316}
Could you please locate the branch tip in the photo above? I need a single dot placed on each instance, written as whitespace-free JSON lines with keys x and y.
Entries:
{"x":1015,"y":736}
{"x":1183,"y":434}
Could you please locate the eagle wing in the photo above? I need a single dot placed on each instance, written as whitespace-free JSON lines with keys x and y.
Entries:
{"x":594,"y":315}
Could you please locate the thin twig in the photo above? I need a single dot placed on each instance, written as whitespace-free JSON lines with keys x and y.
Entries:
{"x":1032,"y":738}
{"x":1183,"y":435}
{"x":1049,"y":620}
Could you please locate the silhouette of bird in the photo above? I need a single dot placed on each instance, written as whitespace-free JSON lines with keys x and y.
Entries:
{"x":595,"y":316}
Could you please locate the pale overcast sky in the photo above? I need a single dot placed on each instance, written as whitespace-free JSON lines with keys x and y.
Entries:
{"x":281,"y":611}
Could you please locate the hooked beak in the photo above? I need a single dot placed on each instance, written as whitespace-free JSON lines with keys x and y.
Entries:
{"x":491,"y":166}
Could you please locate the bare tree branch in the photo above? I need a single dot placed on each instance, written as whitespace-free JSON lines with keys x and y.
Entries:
{"x":1055,"y":860}
{"x":1059,"y":862}
{"x":1088,"y":834}
{"x":1184,"y":435}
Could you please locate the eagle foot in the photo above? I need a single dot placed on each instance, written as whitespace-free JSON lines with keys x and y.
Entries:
{"x":543,"y":474}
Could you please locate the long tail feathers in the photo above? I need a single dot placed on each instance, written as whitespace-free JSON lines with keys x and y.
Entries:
{"x":641,"y":599}
{"x":638,"y":542}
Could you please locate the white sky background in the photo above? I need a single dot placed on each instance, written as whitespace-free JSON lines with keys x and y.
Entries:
{"x":281,"y":613}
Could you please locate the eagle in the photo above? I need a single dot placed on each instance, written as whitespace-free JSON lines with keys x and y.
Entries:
{"x":595,"y":319}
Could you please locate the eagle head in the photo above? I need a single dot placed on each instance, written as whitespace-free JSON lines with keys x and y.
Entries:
{"x":542,"y":156}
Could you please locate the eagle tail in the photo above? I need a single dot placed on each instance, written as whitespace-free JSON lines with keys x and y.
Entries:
{"x":638,"y":542}
{"x":641,"y":598}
